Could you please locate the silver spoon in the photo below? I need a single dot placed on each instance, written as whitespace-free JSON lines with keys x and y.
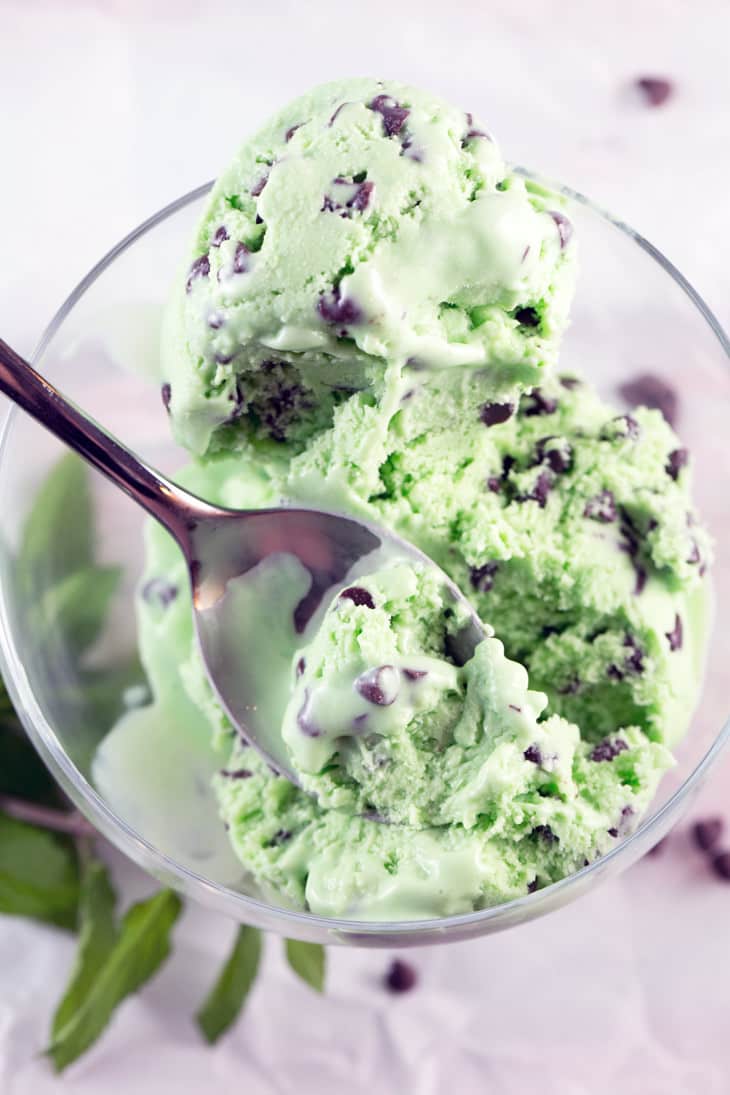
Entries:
{"x":258,"y":577}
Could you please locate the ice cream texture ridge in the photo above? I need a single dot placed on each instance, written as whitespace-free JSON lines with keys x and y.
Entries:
{"x":369,"y":321}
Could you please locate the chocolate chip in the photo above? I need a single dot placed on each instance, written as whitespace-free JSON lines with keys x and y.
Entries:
{"x":337,"y":111}
{"x":651,"y":391}
{"x":199,"y":269}
{"x":674,"y":637}
{"x":541,"y":490}
{"x":721,"y":865}
{"x":614,"y":673}
{"x":216,"y":320}
{"x":415,"y":674}
{"x":401,"y":977}
{"x":358,"y":596}
{"x":655,"y":89}
{"x":536,"y":402}
{"x":694,"y":554}
{"x":220,"y":236}
{"x":472,"y":133}
{"x":236,"y":773}
{"x":514,"y":707}
{"x":602,"y":507}
{"x":532,"y":886}
{"x":492,"y":414}
{"x":564,"y":227}
{"x":569,"y":382}
{"x":570,"y":687}
{"x":291,"y":131}
{"x":280,"y":837}
{"x":494,"y":484}
{"x":707,"y":832}
{"x":159,"y":591}
{"x":544,"y":832}
{"x":624,"y":823}
{"x":558,"y":457}
{"x":392,"y":113}
{"x":606,"y":750}
{"x":482,"y":578}
{"x":527,"y":317}
{"x":634,"y":661}
{"x":677,"y":459}
{"x":379,"y":686}
{"x":533,"y":754}
{"x":304,"y":720}
{"x":166,"y":393}
{"x":623,"y":427}
{"x":301,"y":666}
{"x":240,"y":259}
{"x":259,"y":185}
{"x":335,"y":310}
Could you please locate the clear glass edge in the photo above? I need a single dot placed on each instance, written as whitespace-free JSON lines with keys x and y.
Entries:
{"x":412,"y":932}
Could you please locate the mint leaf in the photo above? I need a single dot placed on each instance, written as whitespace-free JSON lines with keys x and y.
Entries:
{"x":308,"y":962}
{"x":38,"y":874}
{"x":228,"y":995}
{"x":58,"y":537}
{"x":74,"y":610}
{"x":97,"y":937}
{"x":142,"y":945}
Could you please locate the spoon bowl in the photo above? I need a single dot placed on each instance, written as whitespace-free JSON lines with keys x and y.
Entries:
{"x":260,"y":579}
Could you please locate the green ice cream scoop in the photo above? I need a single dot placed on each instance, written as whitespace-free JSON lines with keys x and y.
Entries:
{"x":368,"y":232}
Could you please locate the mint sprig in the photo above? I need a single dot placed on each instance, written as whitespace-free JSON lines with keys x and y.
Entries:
{"x":225,"y":1000}
{"x":52,"y":876}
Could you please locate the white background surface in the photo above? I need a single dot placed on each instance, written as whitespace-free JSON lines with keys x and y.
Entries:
{"x":112,"y":108}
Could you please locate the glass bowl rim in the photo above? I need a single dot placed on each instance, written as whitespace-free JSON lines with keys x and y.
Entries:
{"x":124,"y":837}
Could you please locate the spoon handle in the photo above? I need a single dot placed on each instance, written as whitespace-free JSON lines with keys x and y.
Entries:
{"x":174,"y":507}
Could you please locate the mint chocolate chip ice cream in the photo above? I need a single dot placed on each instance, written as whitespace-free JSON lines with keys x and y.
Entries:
{"x":369,"y":322}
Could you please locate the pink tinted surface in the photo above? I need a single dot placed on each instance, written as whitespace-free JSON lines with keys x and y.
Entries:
{"x":625,"y":991}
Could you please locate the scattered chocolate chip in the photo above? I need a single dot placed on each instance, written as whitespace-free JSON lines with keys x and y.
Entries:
{"x":707,"y":832}
{"x":291,"y":131}
{"x":564,"y":227}
{"x":655,"y":89}
{"x":494,"y":484}
{"x":606,"y":750}
{"x":415,"y":674}
{"x":199,"y":269}
{"x":335,"y":309}
{"x":544,"y":832}
{"x":634,"y":661}
{"x":527,"y":317}
{"x":401,"y":977}
{"x":236,"y":773}
{"x":492,"y":414}
{"x":392,"y":113}
{"x":614,"y":672}
{"x":624,"y":823}
{"x":674,"y":637}
{"x":337,"y":111}
{"x":569,"y":382}
{"x":514,"y":707}
{"x":379,"y":686}
{"x":640,"y":581}
{"x":533,"y":753}
{"x":359,"y":596}
{"x":532,"y":886}
{"x":472,"y":133}
{"x":602,"y":507}
{"x":159,"y":591}
{"x":558,"y":457}
{"x":220,"y":236}
{"x":216,"y":321}
{"x":166,"y":393}
{"x":482,"y":578}
{"x":536,"y":402}
{"x":694,"y":554}
{"x":651,"y":391}
{"x":301,"y":665}
{"x":623,"y":427}
{"x":677,"y":459}
{"x":721,"y":865}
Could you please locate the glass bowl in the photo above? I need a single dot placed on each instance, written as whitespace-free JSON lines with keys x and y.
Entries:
{"x":634,"y":313}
